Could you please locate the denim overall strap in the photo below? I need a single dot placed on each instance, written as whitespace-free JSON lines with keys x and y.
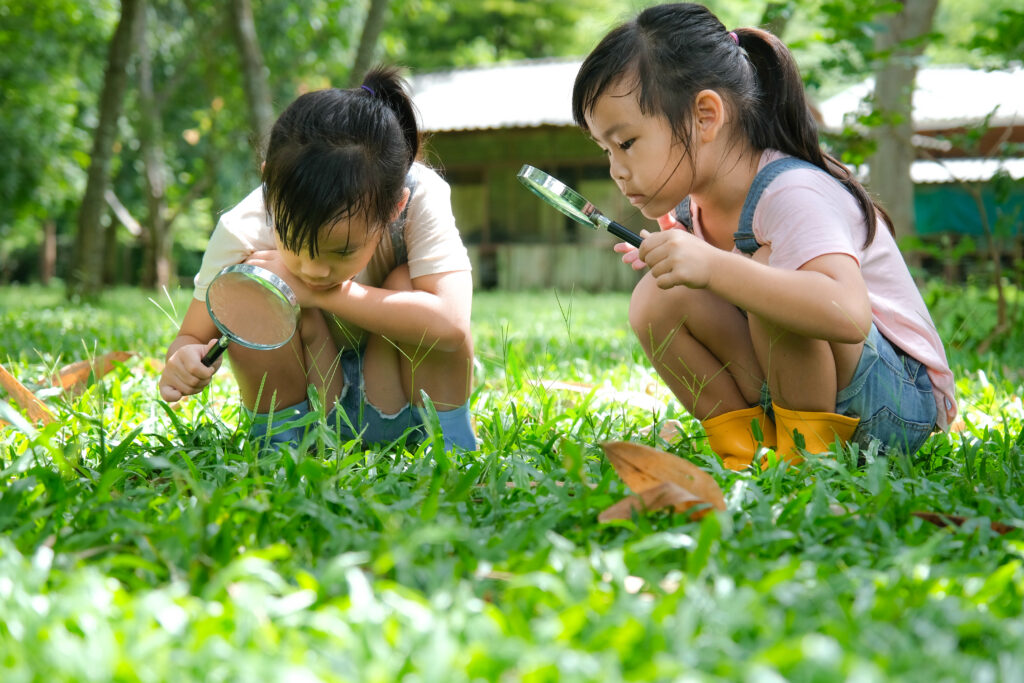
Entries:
{"x":744,"y":237}
{"x":682,"y":213}
{"x":397,"y":227}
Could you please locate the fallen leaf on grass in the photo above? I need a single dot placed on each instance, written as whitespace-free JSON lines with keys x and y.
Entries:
{"x":36,"y":409}
{"x":660,"y":480}
{"x":72,"y":377}
{"x":661,"y":496}
{"x":940,"y":519}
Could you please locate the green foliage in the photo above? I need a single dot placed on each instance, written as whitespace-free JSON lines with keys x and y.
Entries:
{"x":434,"y":34}
{"x":48,"y":89}
{"x":53,"y":53}
{"x":144,"y":542}
{"x":1005,"y":35}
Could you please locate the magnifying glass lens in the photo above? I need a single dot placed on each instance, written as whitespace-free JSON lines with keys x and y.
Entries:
{"x":571,"y":203}
{"x":556,"y":193}
{"x":252,"y":309}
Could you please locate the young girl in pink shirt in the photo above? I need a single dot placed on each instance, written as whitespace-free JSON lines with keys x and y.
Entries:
{"x":777,"y":306}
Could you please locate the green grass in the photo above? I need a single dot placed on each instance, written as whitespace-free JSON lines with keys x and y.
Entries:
{"x":144,"y":543}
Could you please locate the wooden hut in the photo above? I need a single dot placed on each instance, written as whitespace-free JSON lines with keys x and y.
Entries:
{"x":484,"y":123}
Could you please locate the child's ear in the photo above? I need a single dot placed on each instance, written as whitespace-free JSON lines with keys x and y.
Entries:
{"x":401,"y":204}
{"x":709,"y":115}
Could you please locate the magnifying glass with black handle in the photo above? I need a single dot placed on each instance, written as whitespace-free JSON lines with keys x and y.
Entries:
{"x":251,"y":306}
{"x":572,"y":204}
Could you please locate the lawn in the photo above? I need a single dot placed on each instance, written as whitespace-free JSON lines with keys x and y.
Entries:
{"x":140,"y":542}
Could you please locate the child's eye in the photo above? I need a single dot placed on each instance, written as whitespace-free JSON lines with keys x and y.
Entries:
{"x":627,"y":144}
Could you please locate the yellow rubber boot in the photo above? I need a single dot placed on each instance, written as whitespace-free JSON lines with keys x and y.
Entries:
{"x":819,"y":431}
{"x":731,"y":436}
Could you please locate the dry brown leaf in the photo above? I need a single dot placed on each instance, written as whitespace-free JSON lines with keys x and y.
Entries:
{"x":940,"y":519}
{"x":73,"y":376}
{"x":661,"y":496}
{"x":642,"y":468}
{"x":37,"y":411}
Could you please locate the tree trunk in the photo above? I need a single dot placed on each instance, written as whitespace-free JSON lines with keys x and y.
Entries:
{"x":257,"y":91}
{"x":372,"y":27}
{"x":87,"y":269}
{"x":776,"y":17}
{"x":156,"y":239}
{"x":212,"y":87}
{"x":108,"y":235}
{"x":48,"y":253}
{"x":894,"y":90}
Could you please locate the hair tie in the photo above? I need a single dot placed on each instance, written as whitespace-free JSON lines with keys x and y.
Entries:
{"x":735,"y":38}
{"x":368,"y":89}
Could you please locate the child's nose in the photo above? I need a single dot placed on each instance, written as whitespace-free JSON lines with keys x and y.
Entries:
{"x":313,"y":269}
{"x":617,"y":170}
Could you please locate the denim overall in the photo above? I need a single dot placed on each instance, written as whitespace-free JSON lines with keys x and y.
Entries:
{"x":890,"y":391}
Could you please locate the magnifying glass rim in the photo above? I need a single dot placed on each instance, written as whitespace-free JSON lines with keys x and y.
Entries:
{"x":281,"y":287}
{"x":534,"y":178}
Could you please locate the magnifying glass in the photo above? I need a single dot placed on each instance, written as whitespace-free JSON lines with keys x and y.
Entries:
{"x":572,"y":204}
{"x":251,"y":306}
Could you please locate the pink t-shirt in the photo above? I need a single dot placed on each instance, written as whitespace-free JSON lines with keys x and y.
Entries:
{"x":804,"y":214}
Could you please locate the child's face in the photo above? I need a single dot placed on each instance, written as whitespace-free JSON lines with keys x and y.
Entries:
{"x":645,"y":160}
{"x":344,"y":250}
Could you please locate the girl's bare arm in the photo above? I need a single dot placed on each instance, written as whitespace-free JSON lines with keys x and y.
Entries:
{"x":435,"y":313}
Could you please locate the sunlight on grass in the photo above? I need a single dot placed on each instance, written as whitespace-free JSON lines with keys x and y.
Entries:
{"x":148,"y":542}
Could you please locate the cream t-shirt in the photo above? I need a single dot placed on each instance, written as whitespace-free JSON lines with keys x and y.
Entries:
{"x":804,"y":214}
{"x":432,"y":241}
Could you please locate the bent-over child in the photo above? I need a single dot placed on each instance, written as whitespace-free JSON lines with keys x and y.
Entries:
{"x":364,"y":235}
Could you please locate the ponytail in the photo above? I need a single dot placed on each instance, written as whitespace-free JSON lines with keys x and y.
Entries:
{"x":782,"y":119}
{"x":386,"y":83}
{"x":671,"y":52}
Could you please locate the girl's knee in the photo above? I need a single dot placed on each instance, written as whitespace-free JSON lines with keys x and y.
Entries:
{"x":654,"y":311}
{"x":641,"y":307}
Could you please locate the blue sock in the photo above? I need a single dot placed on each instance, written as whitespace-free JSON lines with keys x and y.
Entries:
{"x":457,"y":428}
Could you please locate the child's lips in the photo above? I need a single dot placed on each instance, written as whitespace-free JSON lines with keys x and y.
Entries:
{"x":635,"y":199}
{"x":320,"y":286}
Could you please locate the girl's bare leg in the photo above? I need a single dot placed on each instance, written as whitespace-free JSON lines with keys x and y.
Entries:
{"x":283,"y":375}
{"x":395,"y":373}
{"x":700,"y":345}
{"x":803,"y":374}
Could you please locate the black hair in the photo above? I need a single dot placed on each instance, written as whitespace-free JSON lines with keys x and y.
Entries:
{"x":674,"y":51}
{"x":338,"y":153}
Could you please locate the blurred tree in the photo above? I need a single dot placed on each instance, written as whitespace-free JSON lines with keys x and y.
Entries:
{"x":87,"y":271}
{"x":437,"y":34}
{"x":156,"y":266}
{"x":376,"y":15}
{"x":47,"y":87}
{"x":257,"y":91}
{"x":905,"y":29}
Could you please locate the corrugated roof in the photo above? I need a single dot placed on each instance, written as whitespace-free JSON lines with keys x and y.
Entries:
{"x":509,"y":95}
{"x":968,"y":170}
{"x":946,"y":97}
{"x":536,"y":93}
